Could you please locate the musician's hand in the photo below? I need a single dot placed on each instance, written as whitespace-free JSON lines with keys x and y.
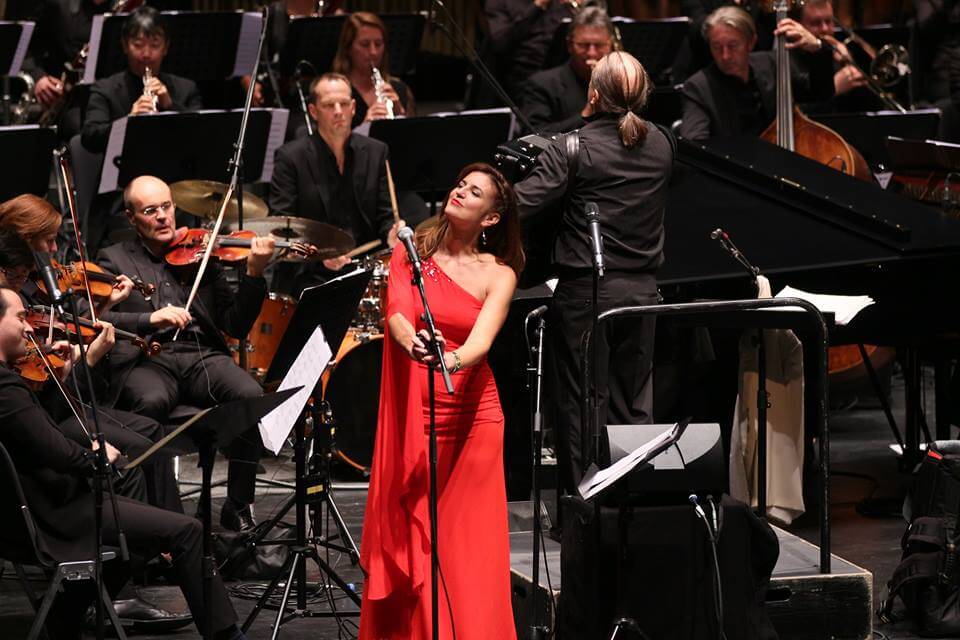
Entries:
{"x":102,"y":344}
{"x":394,"y":230}
{"x":420,"y":350}
{"x":68,"y":352}
{"x":144,"y":104}
{"x":391,"y":93}
{"x":113,"y":454}
{"x":335,"y":264}
{"x":122,"y":287}
{"x":376,"y":111}
{"x":160,"y":91}
{"x":261,"y":250}
{"x":170,"y":317}
{"x":847,"y":79}
{"x":797,"y":36}
{"x":48,"y":90}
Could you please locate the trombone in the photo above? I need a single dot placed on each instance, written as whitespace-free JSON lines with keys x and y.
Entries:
{"x":888,"y":65}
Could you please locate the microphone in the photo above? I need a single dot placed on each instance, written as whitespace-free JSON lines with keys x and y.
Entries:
{"x":692,"y":499}
{"x":536,"y":313}
{"x":301,"y":66}
{"x":49,"y":277}
{"x":405,"y":235}
{"x":718,"y":233}
{"x":593,"y":225}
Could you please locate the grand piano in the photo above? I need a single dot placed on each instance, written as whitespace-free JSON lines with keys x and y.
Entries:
{"x":803,"y":224}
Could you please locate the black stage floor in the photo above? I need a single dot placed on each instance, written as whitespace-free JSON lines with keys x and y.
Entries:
{"x":863,"y":466}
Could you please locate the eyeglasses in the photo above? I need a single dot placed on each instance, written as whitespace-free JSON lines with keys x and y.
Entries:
{"x":582,"y":45}
{"x":152,"y":210}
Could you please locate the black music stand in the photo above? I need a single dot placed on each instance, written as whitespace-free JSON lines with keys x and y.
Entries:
{"x":923,"y":155}
{"x":315,"y":40}
{"x":204,"y":46}
{"x":14,"y":40}
{"x":433,"y":168}
{"x":32,"y":148}
{"x":209,"y":430}
{"x":860,"y":130}
{"x":197,"y":146}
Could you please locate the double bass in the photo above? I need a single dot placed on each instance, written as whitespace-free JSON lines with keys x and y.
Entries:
{"x":793,"y":130}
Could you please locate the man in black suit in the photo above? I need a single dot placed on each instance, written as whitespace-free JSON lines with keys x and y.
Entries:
{"x":197,"y":368}
{"x":736,"y":94}
{"x":54,"y":472}
{"x":556,"y":99}
{"x":145,"y":40}
{"x":335,"y":176}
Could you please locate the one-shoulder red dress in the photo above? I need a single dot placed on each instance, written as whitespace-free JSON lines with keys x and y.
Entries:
{"x":472,"y":538}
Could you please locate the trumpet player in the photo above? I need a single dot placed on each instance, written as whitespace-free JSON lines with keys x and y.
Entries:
{"x":143,"y":87}
{"x":362,"y":56}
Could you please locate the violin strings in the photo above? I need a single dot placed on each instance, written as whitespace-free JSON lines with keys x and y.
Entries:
{"x":56,"y":380}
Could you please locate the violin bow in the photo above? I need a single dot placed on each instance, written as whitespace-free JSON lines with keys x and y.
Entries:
{"x":56,"y":380}
{"x":393,"y":192}
{"x":211,"y":241}
{"x":66,"y":175}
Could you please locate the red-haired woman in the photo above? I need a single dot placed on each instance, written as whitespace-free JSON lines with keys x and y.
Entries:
{"x":472,"y":255}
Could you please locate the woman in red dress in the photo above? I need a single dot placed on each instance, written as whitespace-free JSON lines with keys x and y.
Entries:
{"x":472,"y":255}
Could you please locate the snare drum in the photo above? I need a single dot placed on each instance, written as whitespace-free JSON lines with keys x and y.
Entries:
{"x":373,"y":305}
{"x":264,"y":338}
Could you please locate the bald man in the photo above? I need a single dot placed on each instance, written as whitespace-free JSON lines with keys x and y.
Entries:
{"x":196,"y":369}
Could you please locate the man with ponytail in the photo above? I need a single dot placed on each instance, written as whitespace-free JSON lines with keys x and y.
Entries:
{"x":623,"y":165}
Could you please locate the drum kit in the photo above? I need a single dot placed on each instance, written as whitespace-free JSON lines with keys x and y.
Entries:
{"x":351,"y":383}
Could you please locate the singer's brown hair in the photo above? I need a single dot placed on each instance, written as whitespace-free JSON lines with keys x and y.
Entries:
{"x":504,"y":240}
{"x":30,"y":217}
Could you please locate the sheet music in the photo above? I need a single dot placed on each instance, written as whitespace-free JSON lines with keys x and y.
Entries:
{"x":247,"y":44}
{"x":110,"y":173}
{"x":278,"y":131}
{"x":305,"y":372}
{"x":844,"y":308}
{"x":93,"y":52}
{"x":26,"y":32}
{"x":596,"y":482}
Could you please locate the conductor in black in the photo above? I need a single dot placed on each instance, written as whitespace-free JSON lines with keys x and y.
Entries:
{"x":622,"y":164}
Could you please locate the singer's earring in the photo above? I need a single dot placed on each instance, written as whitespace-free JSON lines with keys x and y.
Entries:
{"x":483,"y":236}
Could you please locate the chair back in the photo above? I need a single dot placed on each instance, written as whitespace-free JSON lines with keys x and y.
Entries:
{"x":20,"y":534}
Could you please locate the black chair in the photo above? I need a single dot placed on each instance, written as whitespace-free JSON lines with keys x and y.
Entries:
{"x":25,"y":551}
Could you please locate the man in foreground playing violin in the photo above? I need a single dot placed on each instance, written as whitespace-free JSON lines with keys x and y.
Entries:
{"x":55,"y":472}
{"x":196,"y":368}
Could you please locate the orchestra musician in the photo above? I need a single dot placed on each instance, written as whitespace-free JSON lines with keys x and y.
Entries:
{"x":55,"y":474}
{"x":736,"y":93}
{"x":363,"y":48}
{"x":334,"y":176}
{"x":555,"y":100}
{"x":197,"y":368}
{"x":624,"y":166}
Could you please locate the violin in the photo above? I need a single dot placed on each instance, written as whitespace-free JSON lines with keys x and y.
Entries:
{"x":189,"y":246}
{"x":36,"y":365}
{"x":80,"y":276}
{"x":39,"y":318}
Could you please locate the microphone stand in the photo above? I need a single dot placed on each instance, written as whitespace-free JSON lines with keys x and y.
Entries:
{"x":763,"y":401}
{"x":535,"y":373}
{"x":297,"y":77}
{"x":431,"y":388}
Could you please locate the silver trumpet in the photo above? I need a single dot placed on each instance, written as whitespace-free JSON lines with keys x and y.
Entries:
{"x":147,"y":77}
{"x":382,"y":98}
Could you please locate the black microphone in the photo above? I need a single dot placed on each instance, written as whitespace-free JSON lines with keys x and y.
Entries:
{"x":49,"y":277}
{"x":405,"y":235}
{"x":536,"y":313}
{"x":593,"y":225}
{"x":301,"y":66}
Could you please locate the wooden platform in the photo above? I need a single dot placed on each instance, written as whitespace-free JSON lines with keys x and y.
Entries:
{"x":803,"y":603}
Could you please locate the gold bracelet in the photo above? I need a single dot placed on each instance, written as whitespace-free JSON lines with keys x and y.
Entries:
{"x":457,"y":363}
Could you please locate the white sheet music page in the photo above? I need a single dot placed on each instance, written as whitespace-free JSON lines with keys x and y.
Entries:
{"x":844,"y":308}
{"x":306,"y":370}
{"x":594,"y":483}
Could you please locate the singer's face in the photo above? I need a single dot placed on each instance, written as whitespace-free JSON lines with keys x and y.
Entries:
{"x":14,"y":328}
{"x":145,"y":51}
{"x":731,"y":50}
{"x":152,"y":211}
{"x":818,"y":19}
{"x":367,"y":49}
{"x":472,"y":201}
{"x":332,"y":108}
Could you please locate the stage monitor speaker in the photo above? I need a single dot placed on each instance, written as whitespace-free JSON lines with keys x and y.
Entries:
{"x":695,"y":464}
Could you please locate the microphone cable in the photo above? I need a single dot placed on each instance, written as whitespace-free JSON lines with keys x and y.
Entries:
{"x":718,"y":588}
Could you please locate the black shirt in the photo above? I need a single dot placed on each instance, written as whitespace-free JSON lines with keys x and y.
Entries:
{"x":344,"y":211}
{"x":753,"y":114}
{"x":628,"y":184}
{"x":403,"y":92}
{"x":63,"y":27}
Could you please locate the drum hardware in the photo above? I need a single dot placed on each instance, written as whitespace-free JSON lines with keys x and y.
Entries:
{"x":202,"y":198}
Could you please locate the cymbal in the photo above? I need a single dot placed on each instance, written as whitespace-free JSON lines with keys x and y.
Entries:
{"x":202,"y":198}
{"x":329,"y":240}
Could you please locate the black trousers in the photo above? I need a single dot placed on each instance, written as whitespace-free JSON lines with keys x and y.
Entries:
{"x":189,"y":373}
{"x":133,"y":434}
{"x":148,"y":531}
{"x":625,"y":351}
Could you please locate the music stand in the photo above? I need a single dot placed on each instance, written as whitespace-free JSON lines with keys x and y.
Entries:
{"x":204,"y":46}
{"x":29,"y":153}
{"x":14,"y":40}
{"x":860,"y":130}
{"x":197,"y":146}
{"x":923,"y":155}
{"x":434,"y":168}
{"x":209,"y":430}
{"x":315,"y":39}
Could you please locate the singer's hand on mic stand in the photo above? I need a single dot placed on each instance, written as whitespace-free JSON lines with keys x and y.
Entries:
{"x":420,"y":346}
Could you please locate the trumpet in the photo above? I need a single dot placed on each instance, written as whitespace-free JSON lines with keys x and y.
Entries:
{"x":147,"y":77}
{"x":382,"y":98}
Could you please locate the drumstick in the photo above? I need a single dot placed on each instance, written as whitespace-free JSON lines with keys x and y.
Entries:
{"x":373,"y":244}
{"x":393,"y":192}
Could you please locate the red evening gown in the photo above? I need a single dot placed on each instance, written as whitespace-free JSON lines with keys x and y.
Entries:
{"x":473,"y":538}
